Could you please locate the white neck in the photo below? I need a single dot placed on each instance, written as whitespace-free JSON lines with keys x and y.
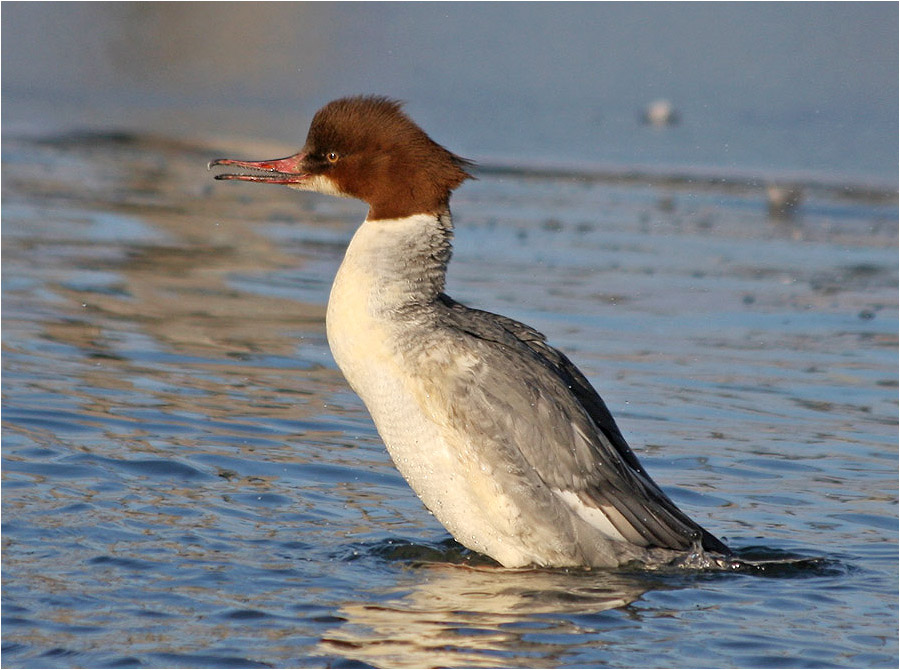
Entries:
{"x":401,"y":263}
{"x":392,"y":274}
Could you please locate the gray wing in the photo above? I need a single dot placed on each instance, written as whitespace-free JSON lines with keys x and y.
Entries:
{"x":596,"y":464}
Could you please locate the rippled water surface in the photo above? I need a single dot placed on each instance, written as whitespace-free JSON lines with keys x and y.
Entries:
{"x":188,"y":481}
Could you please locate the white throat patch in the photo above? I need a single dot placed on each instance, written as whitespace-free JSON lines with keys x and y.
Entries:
{"x":320,"y":184}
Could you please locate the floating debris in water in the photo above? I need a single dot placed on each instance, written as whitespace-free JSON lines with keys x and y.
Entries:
{"x":660,"y":113}
{"x":783,"y":199}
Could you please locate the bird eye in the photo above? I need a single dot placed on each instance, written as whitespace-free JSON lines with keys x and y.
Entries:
{"x":332,"y":157}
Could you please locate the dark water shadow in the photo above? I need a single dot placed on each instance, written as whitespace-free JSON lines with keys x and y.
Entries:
{"x":752,"y":560}
{"x":417,"y":554}
{"x":779,"y":563}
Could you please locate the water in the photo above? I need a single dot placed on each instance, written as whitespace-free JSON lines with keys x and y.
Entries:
{"x":188,"y":481}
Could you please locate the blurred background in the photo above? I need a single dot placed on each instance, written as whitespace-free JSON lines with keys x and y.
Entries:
{"x":753,"y":86}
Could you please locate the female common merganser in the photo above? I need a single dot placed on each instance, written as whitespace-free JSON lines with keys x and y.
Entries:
{"x":497,"y":432}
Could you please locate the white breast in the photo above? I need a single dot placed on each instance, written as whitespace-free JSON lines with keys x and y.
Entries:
{"x":364,"y":341}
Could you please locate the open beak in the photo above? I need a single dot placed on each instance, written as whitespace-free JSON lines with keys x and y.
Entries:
{"x":288,"y":170}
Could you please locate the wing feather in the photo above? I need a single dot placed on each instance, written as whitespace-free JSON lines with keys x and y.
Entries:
{"x":596,"y":469}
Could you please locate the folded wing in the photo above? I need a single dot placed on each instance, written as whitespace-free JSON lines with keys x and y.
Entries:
{"x":539,"y":407}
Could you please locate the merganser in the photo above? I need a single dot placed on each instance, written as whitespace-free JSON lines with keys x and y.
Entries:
{"x":502,"y":438}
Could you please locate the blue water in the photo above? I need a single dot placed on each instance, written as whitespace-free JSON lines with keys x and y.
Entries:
{"x":189,"y":482}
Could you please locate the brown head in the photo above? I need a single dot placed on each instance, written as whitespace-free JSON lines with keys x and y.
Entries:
{"x":366,"y":147}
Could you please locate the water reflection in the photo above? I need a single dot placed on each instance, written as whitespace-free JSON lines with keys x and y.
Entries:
{"x":178,"y":289}
{"x":462,"y":616}
{"x":168,"y":294}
